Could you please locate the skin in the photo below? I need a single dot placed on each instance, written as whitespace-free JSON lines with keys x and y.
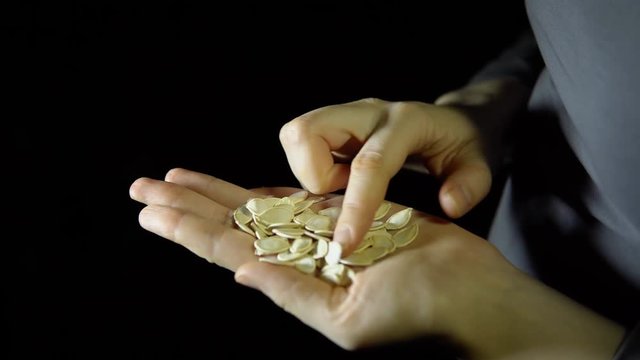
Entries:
{"x":447,"y":282}
{"x":450,"y":138}
{"x":367,"y":131}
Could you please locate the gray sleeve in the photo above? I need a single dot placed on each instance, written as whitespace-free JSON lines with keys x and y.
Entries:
{"x":630,"y":347}
{"x":522,"y":60}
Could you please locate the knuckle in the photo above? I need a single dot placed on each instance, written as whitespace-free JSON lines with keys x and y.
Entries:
{"x":296,"y":130}
{"x":212,"y":249}
{"x":172,"y":195}
{"x":175,"y":224}
{"x":211,"y":184}
{"x":352,"y":206}
{"x":373,"y":101}
{"x":368,"y":161}
{"x":402,"y":110}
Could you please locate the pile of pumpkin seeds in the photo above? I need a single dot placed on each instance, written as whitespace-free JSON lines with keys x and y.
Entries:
{"x":289,"y":233}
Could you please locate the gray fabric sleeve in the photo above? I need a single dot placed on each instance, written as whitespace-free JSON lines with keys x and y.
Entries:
{"x":522,"y":61}
{"x":630,"y":347}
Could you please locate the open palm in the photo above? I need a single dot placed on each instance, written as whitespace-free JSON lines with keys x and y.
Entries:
{"x":416,"y":291}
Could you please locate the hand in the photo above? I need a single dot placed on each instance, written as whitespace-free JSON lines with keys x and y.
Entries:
{"x":448,"y":281}
{"x":379,"y":136}
{"x":396,"y":299}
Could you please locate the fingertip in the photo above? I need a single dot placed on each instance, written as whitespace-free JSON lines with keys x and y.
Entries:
{"x":133,"y":189}
{"x":455,"y":201}
{"x":173,"y":174}
{"x":448,"y":204}
{"x":343,"y":236}
{"x":145,"y":217}
{"x":136,"y":185}
{"x":243,"y":276}
{"x":468,"y":183}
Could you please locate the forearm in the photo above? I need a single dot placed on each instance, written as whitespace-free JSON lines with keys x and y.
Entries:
{"x":532,"y":321}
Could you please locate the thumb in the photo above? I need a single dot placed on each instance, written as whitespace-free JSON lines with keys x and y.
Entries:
{"x":468,"y":182}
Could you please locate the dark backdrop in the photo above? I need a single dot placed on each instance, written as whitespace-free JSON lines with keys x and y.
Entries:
{"x":102,"y":92}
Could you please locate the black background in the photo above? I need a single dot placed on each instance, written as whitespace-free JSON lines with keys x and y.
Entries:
{"x":99,"y":93}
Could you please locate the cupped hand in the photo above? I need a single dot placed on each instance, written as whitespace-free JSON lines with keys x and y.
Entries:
{"x":360,"y":146}
{"x":432,"y":286}
{"x":447,"y":282}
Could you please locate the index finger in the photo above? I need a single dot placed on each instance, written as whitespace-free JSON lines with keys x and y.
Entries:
{"x":309,"y":142}
{"x":371,"y":170}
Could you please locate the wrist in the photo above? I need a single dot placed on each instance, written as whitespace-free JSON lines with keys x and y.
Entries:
{"x":490,"y":106}
{"x":528,"y":320}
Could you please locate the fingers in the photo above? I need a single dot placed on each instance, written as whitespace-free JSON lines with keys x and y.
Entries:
{"x":309,"y":140}
{"x":467,"y":183}
{"x":378,"y":161}
{"x":310,"y":299}
{"x":194,"y":220}
{"x":218,"y":190}
{"x":150,"y":191}
{"x":388,"y":133}
{"x":217,"y":242}
{"x":275,"y":191}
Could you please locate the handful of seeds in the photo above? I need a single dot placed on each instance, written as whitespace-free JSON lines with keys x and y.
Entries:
{"x":289,"y":233}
